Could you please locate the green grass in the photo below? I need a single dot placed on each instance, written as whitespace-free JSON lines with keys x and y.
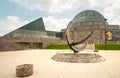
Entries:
{"x":108,"y":46}
{"x":64,"y":46}
{"x":97,"y":46}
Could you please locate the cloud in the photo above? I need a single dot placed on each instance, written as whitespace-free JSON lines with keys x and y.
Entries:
{"x":112,"y":12}
{"x":99,"y":3}
{"x":10,"y":23}
{"x":52,"y":6}
{"x":110,"y":8}
{"x":55,"y":24}
{"x":55,"y":6}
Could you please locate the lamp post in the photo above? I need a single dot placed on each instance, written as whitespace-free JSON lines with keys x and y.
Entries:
{"x":105,"y":34}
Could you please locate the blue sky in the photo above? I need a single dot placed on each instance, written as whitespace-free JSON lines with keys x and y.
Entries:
{"x":56,"y":13}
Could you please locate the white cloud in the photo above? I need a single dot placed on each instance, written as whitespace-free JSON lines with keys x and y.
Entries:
{"x":13,"y":19}
{"x":112,"y":12}
{"x":99,"y":3}
{"x":11,"y":23}
{"x":110,"y":8}
{"x":61,"y":5}
{"x":55,"y":24}
{"x":52,"y":6}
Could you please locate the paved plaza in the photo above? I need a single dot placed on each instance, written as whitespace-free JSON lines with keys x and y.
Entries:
{"x":45,"y":67}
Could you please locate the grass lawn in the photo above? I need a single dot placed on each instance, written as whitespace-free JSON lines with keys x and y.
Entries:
{"x":97,"y":46}
{"x":108,"y":46}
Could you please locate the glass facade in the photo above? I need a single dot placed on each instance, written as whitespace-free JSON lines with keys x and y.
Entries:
{"x":27,"y":33}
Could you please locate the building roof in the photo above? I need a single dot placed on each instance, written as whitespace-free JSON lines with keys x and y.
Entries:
{"x":88,"y":15}
{"x":36,"y":25}
{"x":34,"y":29}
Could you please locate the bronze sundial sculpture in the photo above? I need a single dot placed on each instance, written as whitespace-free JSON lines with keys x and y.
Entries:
{"x":82,"y":27}
{"x":80,"y":32}
{"x":72,"y":43}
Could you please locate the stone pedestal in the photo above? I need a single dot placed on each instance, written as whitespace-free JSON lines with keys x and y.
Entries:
{"x":24,"y":70}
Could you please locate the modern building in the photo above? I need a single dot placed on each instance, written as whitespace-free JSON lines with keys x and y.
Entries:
{"x":34,"y":35}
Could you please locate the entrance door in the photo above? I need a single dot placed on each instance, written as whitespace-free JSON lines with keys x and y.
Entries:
{"x":38,"y":45}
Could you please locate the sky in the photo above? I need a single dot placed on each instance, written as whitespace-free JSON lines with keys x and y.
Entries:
{"x":56,"y":14}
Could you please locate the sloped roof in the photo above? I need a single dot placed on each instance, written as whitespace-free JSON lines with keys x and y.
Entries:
{"x":30,"y":29}
{"x":36,"y":25}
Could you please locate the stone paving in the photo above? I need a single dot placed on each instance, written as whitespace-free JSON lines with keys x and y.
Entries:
{"x":46,"y":67}
{"x":78,"y":58}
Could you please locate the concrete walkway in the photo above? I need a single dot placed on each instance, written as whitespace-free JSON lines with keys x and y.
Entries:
{"x":45,"y":67}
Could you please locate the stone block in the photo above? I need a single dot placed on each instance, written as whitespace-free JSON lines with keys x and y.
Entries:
{"x":24,"y":70}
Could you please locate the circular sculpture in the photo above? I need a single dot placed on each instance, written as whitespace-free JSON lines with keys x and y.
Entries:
{"x":81,"y":31}
{"x":82,"y":27}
